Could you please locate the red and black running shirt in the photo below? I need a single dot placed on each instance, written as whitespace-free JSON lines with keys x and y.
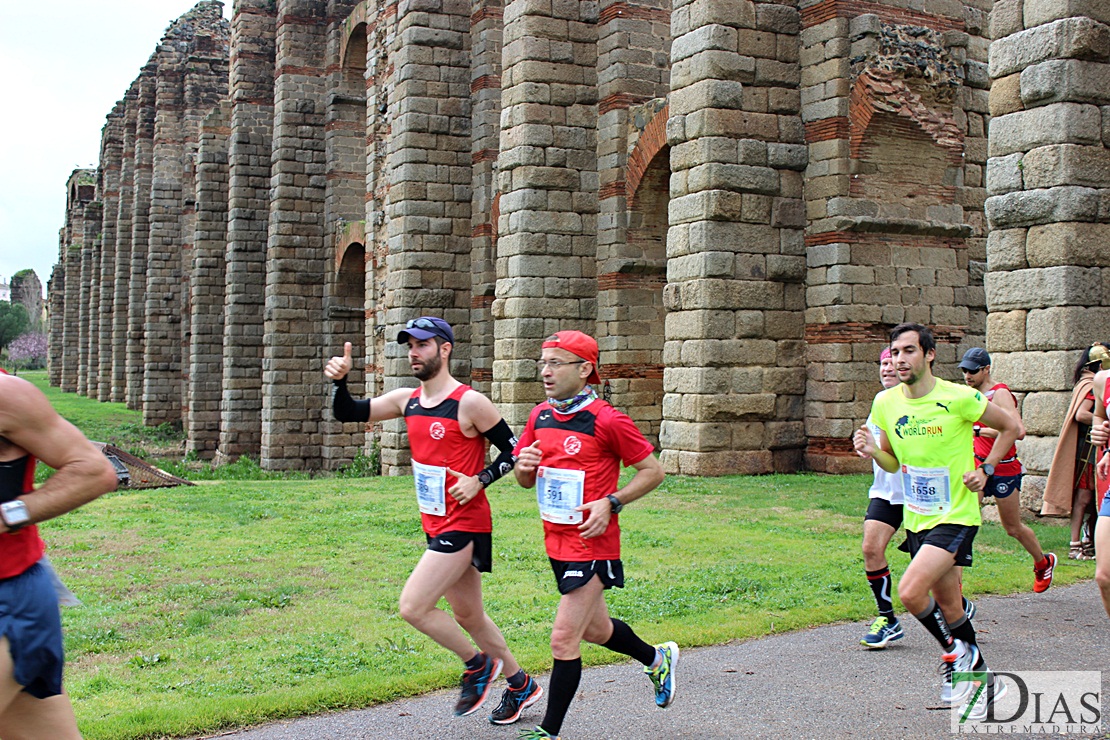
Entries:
{"x":19,"y":550}
{"x":597,"y":440}
{"x":436,"y":439}
{"x":1010,"y":465}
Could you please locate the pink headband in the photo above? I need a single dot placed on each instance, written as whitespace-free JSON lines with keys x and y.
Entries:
{"x":885,"y":354}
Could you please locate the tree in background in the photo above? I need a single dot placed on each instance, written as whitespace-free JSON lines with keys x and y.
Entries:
{"x":28,"y":351}
{"x":13,"y":322}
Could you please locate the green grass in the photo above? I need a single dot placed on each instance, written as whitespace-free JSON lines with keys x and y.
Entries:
{"x":235,"y":602}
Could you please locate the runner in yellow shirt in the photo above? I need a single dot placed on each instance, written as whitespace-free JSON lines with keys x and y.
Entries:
{"x":926,"y":435}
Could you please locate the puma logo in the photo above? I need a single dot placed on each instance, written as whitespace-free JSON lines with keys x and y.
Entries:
{"x":943,"y":406}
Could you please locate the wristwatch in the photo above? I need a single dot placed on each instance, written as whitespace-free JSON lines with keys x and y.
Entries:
{"x":615,"y":504}
{"x":987,"y":468}
{"x":14,"y":514}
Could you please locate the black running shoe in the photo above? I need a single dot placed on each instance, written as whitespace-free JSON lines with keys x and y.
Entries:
{"x":515,"y":701}
{"x":476,"y":686}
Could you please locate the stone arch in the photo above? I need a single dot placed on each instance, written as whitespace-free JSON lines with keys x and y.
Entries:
{"x":630,"y":293}
{"x":906,"y":155}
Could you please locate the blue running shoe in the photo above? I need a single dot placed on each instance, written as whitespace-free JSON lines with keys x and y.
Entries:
{"x":882,"y":632}
{"x":476,"y":686}
{"x":515,"y":701}
{"x":663,"y":674}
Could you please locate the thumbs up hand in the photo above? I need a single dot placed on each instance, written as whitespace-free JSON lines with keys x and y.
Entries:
{"x":338,"y":367}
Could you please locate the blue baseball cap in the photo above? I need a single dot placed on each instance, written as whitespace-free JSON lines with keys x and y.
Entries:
{"x":975,"y":359}
{"x":426,"y":327}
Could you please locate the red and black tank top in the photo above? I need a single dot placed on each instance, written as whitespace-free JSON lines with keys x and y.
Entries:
{"x":436,"y":438}
{"x":19,"y":550}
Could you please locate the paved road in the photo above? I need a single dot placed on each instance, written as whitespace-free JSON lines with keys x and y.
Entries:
{"x":817,"y":683}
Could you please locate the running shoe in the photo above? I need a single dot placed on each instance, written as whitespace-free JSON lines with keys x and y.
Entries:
{"x":662,"y":676}
{"x":476,"y":685}
{"x":1042,"y":577}
{"x":537,"y":734}
{"x":961,"y":660}
{"x":515,"y":701}
{"x":976,"y":709}
{"x":882,"y":632}
{"x":969,"y":609}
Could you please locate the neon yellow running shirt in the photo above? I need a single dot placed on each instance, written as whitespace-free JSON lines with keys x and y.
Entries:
{"x":932,"y":438}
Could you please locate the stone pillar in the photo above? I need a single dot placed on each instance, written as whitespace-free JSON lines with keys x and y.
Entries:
{"x":253,"y":33}
{"x":110,"y":162}
{"x":1048,"y":178}
{"x":634,"y":172}
{"x":125,"y":209}
{"x":486,"y":26}
{"x":427,"y":206}
{"x":293,"y":390}
{"x":547,"y":174}
{"x":164,"y":277}
{"x":734,"y":356}
{"x":90,"y":224}
{"x":894,"y":106}
{"x":140,"y":236}
{"x":56,"y":296}
{"x":94,"y":215}
{"x":202,"y":422}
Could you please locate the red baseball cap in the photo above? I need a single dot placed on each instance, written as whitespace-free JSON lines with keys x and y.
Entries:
{"x":579,"y":345}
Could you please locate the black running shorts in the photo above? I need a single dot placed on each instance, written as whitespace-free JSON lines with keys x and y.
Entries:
{"x":1001,"y":486}
{"x":449,"y":542}
{"x":881,"y":510}
{"x":570,"y":576}
{"x":954,"y":538}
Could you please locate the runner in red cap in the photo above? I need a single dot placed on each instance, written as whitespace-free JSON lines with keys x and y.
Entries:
{"x":448,"y":423}
{"x":571,"y":450}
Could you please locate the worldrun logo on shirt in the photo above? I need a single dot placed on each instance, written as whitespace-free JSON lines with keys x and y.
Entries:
{"x":907,"y":427}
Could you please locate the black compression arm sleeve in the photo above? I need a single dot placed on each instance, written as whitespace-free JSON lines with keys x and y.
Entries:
{"x":346,"y":408}
{"x":502,"y":437}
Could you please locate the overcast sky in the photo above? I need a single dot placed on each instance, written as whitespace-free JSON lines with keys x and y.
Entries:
{"x":65,"y":63}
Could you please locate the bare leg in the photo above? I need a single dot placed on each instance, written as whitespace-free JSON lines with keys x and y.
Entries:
{"x":465,"y":598}
{"x":582,"y":615}
{"x":1079,"y":504}
{"x":876,"y":537}
{"x":1102,"y":560}
{"x":23,"y":717}
{"x":433,"y":576}
{"x":1009,"y":511}
{"x":932,"y":569}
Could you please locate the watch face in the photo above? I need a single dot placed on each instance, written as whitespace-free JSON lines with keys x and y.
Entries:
{"x":14,"y":514}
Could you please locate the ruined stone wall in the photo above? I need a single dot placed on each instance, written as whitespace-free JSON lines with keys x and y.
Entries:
{"x":894,"y":102}
{"x":739,"y":198}
{"x":1048,"y":178}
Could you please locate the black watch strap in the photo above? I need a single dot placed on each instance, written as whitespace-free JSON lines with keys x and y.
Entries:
{"x":615,"y":504}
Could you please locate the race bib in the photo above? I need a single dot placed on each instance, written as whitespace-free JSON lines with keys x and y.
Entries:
{"x":431,"y":488}
{"x":927,"y":490}
{"x":558,"y":492}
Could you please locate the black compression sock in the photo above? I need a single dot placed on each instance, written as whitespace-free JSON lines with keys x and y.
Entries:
{"x":880,"y":583}
{"x":627,"y":642}
{"x":565,"y":677}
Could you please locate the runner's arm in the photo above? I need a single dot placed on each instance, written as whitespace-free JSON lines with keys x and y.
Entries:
{"x":1005,"y":401}
{"x":649,"y":474}
{"x":1100,"y":428}
{"x":82,"y":472}
{"x":1009,"y":428}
